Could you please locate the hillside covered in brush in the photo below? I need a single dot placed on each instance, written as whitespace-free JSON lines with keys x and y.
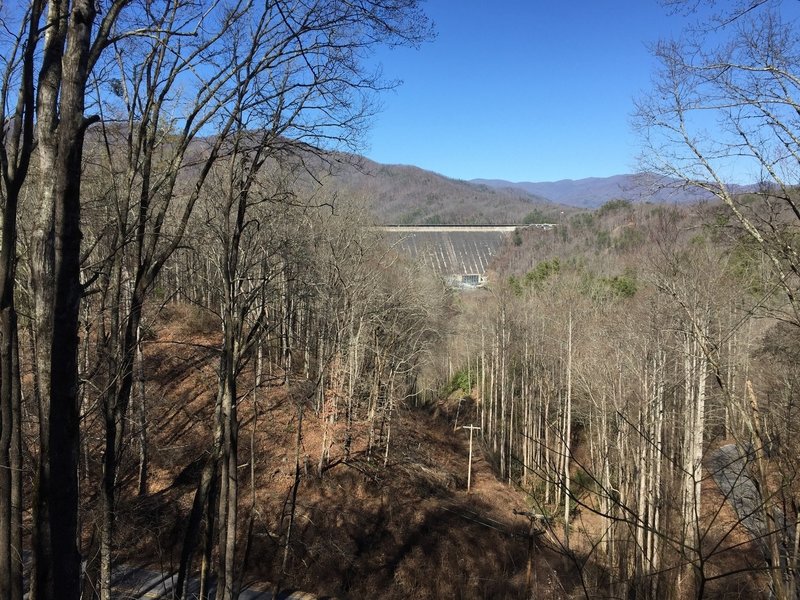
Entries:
{"x":214,"y":365}
{"x":637,"y":370}
{"x":385,"y":515}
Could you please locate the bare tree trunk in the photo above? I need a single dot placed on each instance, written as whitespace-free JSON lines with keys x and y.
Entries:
{"x":258,"y":368}
{"x":16,"y":475}
{"x":482,"y":388}
{"x":654,"y":546}
{"x":16,"y":147}
{"x":229,"y":493}
{"x":389,"y":411}
{"x":57,"y":292}
{"x":567,"y":432}
{"x":200,"y":504}
{"x":141,"y":417}
{"x":773,"y":529}
{"x":10,"y":458}
{"x":546,"y":453}
{"x":68,"y":55}
{"x":295,"y":486}
{"x":502,"y":395}
{"x":9,"y":400}
{"x":206,"y":567}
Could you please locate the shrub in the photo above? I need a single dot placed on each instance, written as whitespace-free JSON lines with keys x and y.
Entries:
{"x":535,"y":216}
{"x":612,"y":206}
{"x":459,"y":382}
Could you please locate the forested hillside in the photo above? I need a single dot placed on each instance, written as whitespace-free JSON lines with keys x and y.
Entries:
{"x":211,"y":363}
{"x":374,"y":508}
{"x":613,"y":359}
{"x":407,"y":195}
{"x":200,"y":118}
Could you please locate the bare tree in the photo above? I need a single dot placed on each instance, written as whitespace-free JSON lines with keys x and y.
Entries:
{"x":16,"y":144}
{"x":301,"y":71}
{"x":63,"y":52}
{"x":293,"y":73}
{"x":724,"y":109}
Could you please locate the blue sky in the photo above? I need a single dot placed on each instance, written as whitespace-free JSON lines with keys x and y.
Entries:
{"x":521,"y":90}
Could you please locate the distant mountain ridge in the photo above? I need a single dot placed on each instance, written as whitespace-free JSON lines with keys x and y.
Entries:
{"x":593,"y":192}
{"x":408,"y":195}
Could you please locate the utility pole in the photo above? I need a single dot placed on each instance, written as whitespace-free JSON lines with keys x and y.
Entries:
{"x":471,"y":428}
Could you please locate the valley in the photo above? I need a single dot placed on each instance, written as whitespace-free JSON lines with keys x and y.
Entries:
{"x":238,"y":357}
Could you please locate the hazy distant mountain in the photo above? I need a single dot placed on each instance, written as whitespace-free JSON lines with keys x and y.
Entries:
{"x":407,"y":195}
{"x":595,"y":191}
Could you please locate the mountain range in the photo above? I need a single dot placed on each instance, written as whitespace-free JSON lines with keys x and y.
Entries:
{"x":593,"y":192}
{"x":409,"y":195}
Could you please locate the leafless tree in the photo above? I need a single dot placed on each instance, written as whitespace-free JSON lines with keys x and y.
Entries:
{"x":64,"y":50}
{"x":299,"y":68}
{"x":724,"y":109}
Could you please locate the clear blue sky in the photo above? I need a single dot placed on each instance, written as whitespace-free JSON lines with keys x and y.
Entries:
{"x":523,"y":90}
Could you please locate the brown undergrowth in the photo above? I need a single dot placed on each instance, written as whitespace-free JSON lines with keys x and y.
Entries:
{"x":362,"y":529}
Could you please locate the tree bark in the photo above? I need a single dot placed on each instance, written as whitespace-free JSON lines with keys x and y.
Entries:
{"x":57,"y":292}
{"x":141,"y":417}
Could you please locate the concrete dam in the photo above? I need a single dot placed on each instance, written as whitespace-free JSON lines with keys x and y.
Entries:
{"x":460,"y":254}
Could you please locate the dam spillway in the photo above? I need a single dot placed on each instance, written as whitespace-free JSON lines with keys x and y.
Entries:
{"x":460,"y":254}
